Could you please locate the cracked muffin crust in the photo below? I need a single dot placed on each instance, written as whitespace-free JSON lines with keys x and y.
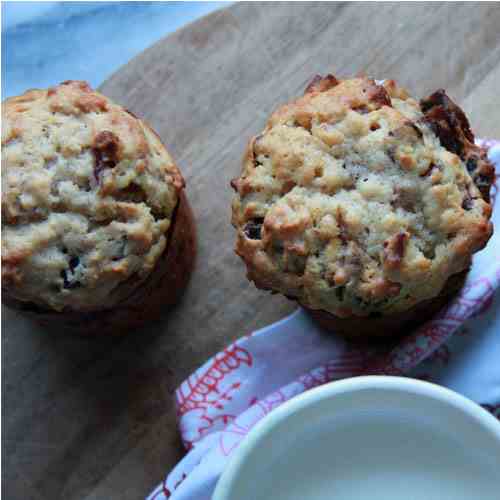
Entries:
{"x":360,"y":201}
{"x":88,"y":200}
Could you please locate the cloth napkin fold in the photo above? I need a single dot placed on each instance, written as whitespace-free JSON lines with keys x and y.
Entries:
{"x":219,"y":403}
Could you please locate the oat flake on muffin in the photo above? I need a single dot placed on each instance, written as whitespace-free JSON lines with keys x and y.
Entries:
{"x":88,"y":196}
{"x":357,"y":199}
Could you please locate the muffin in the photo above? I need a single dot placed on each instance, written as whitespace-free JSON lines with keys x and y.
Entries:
{"x":98,"y":235}
{"x":363,"y":205}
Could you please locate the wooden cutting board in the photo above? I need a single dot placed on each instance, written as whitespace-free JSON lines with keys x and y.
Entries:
{"x":94,"y":419}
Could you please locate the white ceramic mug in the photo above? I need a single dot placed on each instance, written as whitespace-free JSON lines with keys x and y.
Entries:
{"x":370,"y":437}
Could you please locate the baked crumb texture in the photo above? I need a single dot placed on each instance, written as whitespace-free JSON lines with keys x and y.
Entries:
{"x":358,"y":200}
{"x":88,"y":196}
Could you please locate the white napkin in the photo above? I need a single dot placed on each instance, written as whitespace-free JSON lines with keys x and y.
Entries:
{"x":219,"y":404}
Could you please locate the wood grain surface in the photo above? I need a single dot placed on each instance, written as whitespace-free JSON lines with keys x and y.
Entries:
{"x":94,"y":419}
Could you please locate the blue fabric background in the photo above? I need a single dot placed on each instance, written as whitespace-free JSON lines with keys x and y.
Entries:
{"x":44,"y":43}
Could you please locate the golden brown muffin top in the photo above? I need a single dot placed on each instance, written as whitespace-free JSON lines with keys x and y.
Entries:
{"x":356,"y":199}
{"x":88,"y":195}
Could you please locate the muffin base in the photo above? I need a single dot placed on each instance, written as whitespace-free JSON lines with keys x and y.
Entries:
{"x":393,"y":325}
{"x":161,"y":290}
